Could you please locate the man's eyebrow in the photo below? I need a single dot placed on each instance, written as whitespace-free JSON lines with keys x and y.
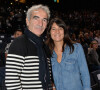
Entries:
{"x":38,"y":17}
{"x":35,"y":16}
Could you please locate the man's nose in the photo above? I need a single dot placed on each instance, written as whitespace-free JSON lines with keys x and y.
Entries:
{"x":41,"y":22}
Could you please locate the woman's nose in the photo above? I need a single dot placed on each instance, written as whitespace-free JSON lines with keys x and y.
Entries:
{"x":57,"y":30}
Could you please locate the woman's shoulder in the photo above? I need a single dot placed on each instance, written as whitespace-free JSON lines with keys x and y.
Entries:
{"x":77,"y":45}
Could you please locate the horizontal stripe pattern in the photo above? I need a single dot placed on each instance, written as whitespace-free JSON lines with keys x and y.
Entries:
{"x":23,"y":72}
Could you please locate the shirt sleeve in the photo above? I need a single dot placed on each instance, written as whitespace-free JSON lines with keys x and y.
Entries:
{"x":85,"y":77}
{"x":14,"y":64}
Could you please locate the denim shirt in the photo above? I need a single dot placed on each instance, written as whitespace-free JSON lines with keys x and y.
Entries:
{"x":72,"y":72}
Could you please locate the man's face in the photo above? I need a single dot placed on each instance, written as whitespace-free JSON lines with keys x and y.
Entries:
{"x":38,"y":22}
{"x":17,"y":34}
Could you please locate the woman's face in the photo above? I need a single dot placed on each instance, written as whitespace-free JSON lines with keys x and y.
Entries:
{"x":94,"y":44}
{"x":57,"y":33}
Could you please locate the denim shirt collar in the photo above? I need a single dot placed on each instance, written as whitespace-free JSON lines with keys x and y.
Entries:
{"x":66,"y":51}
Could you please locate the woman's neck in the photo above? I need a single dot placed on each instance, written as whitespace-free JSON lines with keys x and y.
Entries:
{"x":58,"y":46}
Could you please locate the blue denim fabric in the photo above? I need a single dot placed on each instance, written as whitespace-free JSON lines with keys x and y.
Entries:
{"x":72,"y":72}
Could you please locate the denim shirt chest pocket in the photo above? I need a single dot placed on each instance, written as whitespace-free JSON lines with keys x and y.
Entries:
{"x":69,"y":62}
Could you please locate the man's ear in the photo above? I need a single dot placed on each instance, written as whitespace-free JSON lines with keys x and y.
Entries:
{"x":27,"y":21}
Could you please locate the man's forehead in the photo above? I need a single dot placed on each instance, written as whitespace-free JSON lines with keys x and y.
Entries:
{"x":37,"y":10}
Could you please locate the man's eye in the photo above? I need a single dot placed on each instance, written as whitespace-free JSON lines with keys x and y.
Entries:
{"x":45,"y":20}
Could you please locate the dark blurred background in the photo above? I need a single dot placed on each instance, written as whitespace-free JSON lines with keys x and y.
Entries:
{"x":12,"y":12}
{"x":82,"y":18}
{"x":53,"y":4}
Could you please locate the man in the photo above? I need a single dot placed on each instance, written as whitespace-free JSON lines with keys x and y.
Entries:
{"x":17,"y":33}
{"x":27,"y":62}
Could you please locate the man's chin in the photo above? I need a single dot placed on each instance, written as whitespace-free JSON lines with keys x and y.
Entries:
{"x":38,"y":34}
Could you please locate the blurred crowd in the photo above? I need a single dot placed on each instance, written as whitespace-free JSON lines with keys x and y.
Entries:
{"x":83,"y":25}
{"x":11,"y":19}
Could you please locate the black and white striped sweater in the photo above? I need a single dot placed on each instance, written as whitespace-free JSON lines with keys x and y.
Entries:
{"x":22,"y":66}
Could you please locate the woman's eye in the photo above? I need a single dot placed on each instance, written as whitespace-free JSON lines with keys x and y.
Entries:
{"x":60,"y":28}
{"x":53,"y":28}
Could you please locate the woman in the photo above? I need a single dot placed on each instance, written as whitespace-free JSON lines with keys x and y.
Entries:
{"x":93,"y":56}
{"x":69,"y":67}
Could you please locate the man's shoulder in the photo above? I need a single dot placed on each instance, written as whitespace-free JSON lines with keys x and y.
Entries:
{"x":22,"y":46}
{"x":20,"y":40}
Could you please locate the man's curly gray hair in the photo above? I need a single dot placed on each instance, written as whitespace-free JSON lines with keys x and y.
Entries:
{"x":36,"y":7}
